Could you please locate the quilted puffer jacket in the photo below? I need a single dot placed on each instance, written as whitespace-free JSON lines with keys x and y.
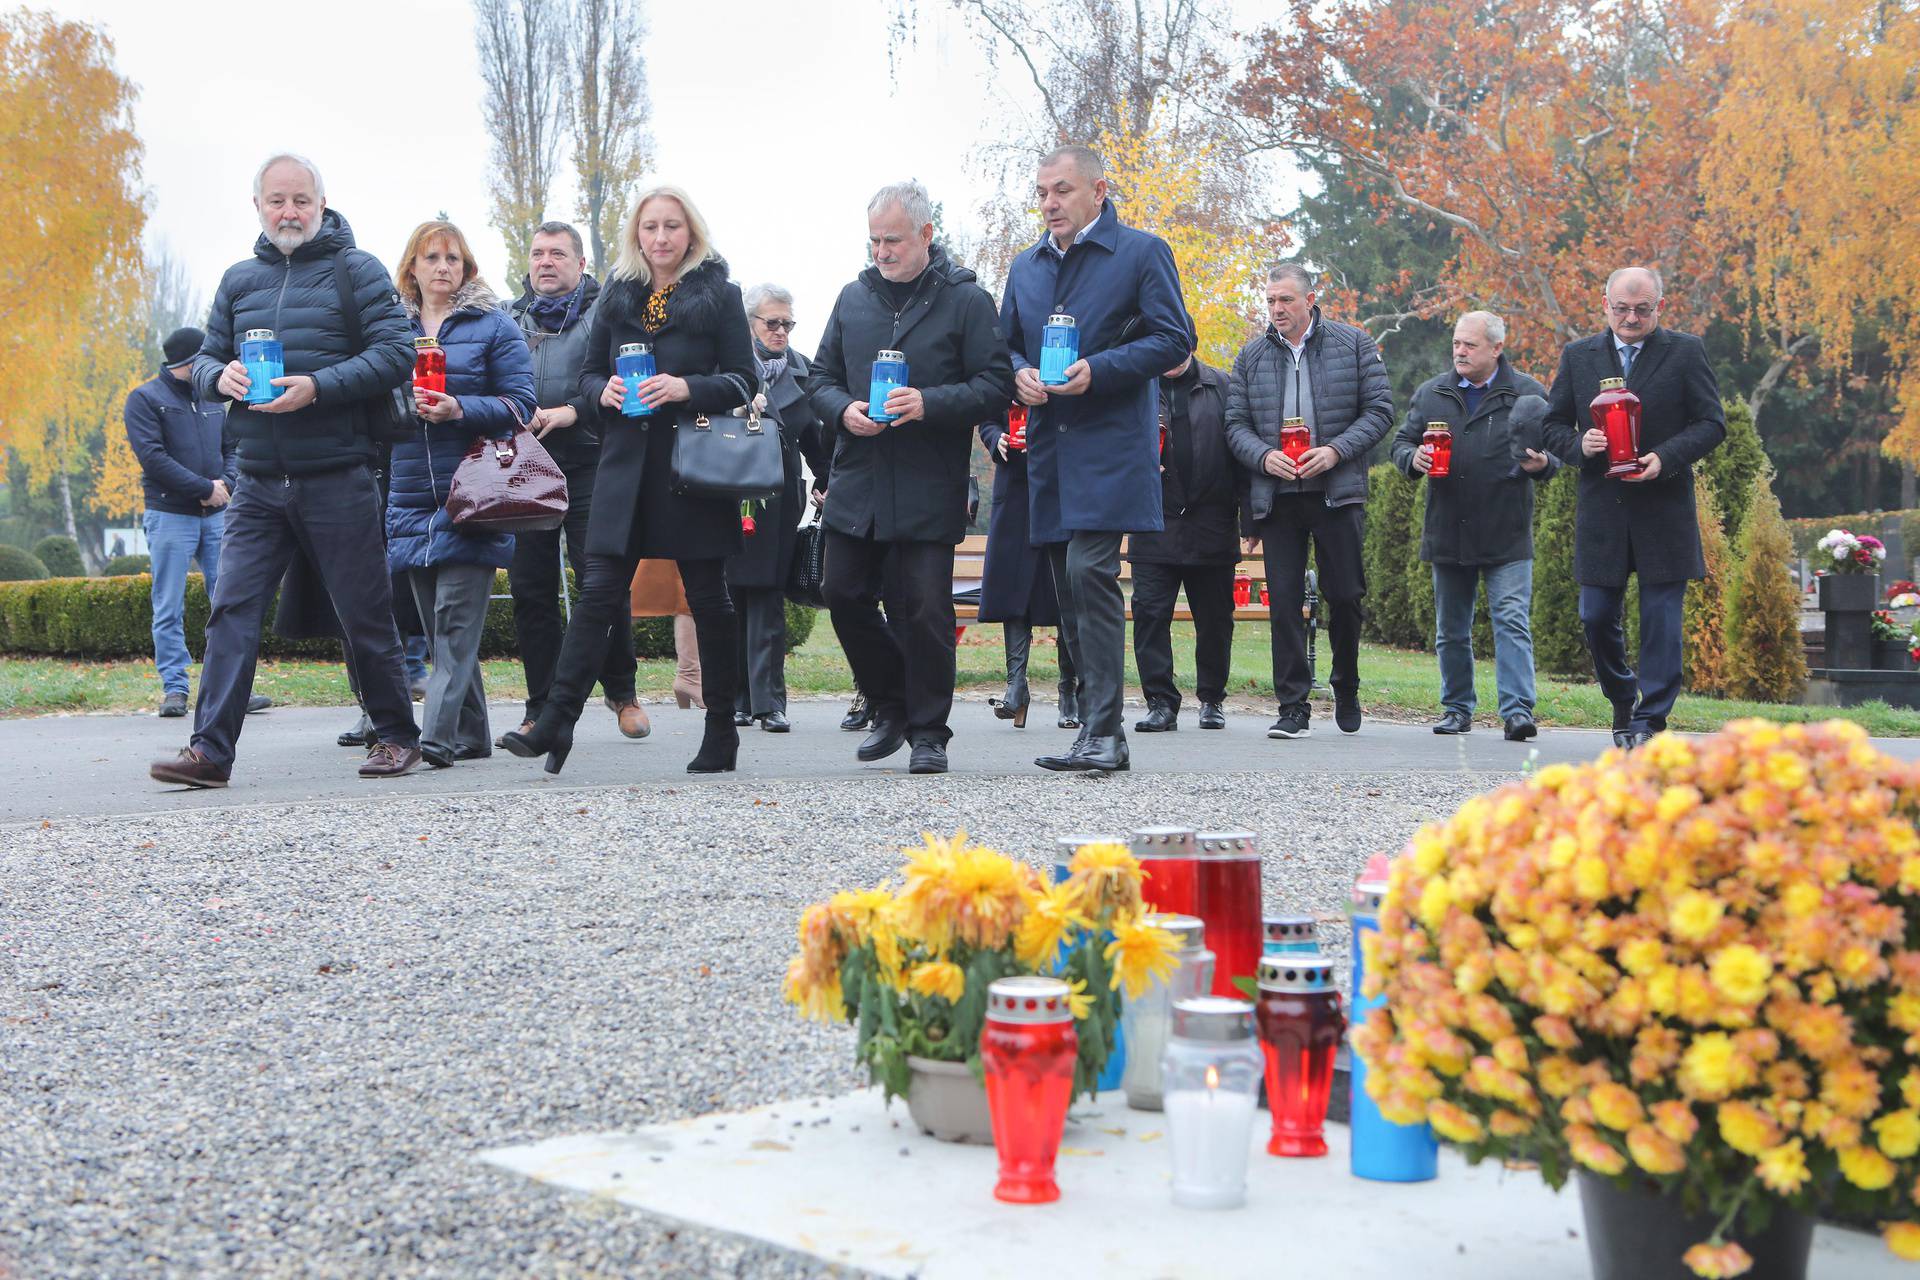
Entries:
{"x":295,"y":296}
{"x":1352,"y":407}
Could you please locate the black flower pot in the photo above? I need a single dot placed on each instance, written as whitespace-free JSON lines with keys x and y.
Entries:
{"x":1642,"y":1235}
{"x":1891,"y":655}
{"x":1850,"y":592}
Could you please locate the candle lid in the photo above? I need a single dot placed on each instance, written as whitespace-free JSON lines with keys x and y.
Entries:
{"x":1294,"y":928}
{"x":1440,"y":426}
{"x":1162,"y":842}
{"x":1213,"y":1018}
{"x":898,"y":357}
{"x":425,"y":344}
{"x":1310,"y":974}
{"x":1189,"y":931}
{"x":1029,"y":999}
{"x":1064,"y":321}
{"x":258,"y":335}
{"x":1228,"y":844}
{"x":1064,"y":847}
{"x":634,"y":348}
{"x":1293,"y":422}
{"x":1370,"y":891}
{"x":1613,"y":384}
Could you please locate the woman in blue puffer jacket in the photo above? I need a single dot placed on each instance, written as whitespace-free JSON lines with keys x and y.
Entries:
{"x":489,"y":393}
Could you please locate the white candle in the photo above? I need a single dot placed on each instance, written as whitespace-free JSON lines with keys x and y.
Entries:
{"x":1209,"y":1131}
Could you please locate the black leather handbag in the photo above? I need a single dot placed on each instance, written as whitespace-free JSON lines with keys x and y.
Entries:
{"x":807,"y":575}
{"x":722,"y":456}
{"x":390,"y":416}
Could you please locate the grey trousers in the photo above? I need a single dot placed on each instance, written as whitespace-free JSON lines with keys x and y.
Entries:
{"x":1093,"y":618}
{"x":453,"y":603}
{"x":763,"y":649}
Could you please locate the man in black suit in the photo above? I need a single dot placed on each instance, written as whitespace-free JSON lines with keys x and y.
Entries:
{"x":1643,"y":523}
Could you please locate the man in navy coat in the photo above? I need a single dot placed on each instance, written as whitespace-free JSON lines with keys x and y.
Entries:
{"x":1641,"y":524}
{"x":1093,"y":456}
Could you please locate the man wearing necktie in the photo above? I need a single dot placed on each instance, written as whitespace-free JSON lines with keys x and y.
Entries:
{"x":1640,"y":524}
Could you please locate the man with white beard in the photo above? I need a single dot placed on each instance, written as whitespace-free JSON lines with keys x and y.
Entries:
{"x":305,"y":476}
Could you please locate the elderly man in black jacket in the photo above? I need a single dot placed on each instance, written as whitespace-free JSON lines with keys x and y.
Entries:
{"x":897,"y":502}
{"x":1479,"y":521}
{"x":1197,"y":550}
{"x":305,"y":479}
{"x":1331,"y":375}
{"x":1643,"y":523}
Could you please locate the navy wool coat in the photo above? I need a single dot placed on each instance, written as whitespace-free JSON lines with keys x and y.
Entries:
{"x":1094,"y":460}
{"x":491,"y":374}
{"x":1016,"y":581}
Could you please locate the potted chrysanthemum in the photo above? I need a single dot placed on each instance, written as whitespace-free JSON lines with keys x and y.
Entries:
{"x":1849,"y":562}
{"x":1691,"y":975}
{"x":909,"y":963}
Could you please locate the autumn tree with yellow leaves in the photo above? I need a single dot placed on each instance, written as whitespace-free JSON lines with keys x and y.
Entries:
{"x":71,"y":271}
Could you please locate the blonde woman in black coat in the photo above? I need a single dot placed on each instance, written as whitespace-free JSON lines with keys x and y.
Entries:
{"x":669,"y":289}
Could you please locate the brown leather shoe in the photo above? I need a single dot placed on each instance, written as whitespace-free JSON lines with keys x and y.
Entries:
{"x":389,"y":760}
{"x":633,"y":718}
{"x":189,"y":769}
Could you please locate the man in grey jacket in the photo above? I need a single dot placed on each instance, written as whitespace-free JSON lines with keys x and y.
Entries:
{"x":1331,"y":375}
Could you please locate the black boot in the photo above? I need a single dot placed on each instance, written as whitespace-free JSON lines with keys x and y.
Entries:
{"x":551,"y":736}
{"x":718,"y":634}
{"x":1069,"y":704}
{"x":1012,"y":705}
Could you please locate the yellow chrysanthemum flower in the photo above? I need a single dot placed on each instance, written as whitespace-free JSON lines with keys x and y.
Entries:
{"x":1741,"y":972}
{"x":1455,"y":1124}
{"x":1655,"y":1151}
{"x":1695,"y":915}
{"x":1078,"y":1001}
{"x":1903,"y":1238}
{"x":1052,"y":917}
{"x":941,"y":978}
{"x":1898,"y":1133}
{"x":1720,"y":1261}
{"x":1616,"y":1106}
{"x":1107,"y":877}
{"x":1784,"y":1168}
{"x":1866,"y":1168}
{"x":1746,"y":1128}
{"x":1710,"y":1068}
{"x":1140,"y":955}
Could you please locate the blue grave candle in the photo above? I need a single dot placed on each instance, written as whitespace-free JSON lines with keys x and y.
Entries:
{"x":889,"y":374}
{"x":1063,"y":850}
{"x":1059,"y":347}
{"x":634,"y":365}
{"x":1382,"y":1151}
{"x":1289,"y":935}
{"x":261,"y":352}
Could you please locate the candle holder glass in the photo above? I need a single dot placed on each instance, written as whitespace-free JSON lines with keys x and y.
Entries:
{"x":1227,"y":880}
{"x":1147,"y":1020}
{"x":1210,"y":1075}
{"x":1290,"y":935}
{"x":1027,"y":1048}
{"x":1169,"y":865}
{"x":1300,"y":1030}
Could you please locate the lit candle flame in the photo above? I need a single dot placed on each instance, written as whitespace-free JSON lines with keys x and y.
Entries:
{"x":1213,"y":1078}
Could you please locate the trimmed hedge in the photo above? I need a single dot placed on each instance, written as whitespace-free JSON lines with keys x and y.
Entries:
{"x":61,"y":555}
{"x":112,"y":617}
{"x":19,"y":565}
{"x":127,"y":566}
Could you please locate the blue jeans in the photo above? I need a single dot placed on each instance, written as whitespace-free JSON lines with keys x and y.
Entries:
{"x":1640,"y":700}
{"x":1510,"y":597}
{"x":172,"y":541}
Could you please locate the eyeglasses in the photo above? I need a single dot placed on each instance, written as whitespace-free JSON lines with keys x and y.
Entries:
{"x":1621,"y":312}
{"x":777,"y":324}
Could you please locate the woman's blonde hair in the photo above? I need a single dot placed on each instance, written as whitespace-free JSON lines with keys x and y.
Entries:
{"x":632,"y":262}
{"x":424,"y":236}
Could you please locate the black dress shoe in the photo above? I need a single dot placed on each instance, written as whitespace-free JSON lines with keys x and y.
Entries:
{"x":1159,"y":719}
{"x":741,"y":719}
{"x":928,"y":757}
{"x":173,"y":706}
{"x":775,"y":722}
{"x":1520,"y":727}
{"x":1099,"y":754}
{"x":1639,"y":738}
{"x":1454,"y":722}
{"x":1346,"y":711}
{"x":436,"y":757}
{"x":1623,"y":739}
{"x":258,"y":702}
{"x":472,"y":753}
{"x":859,"y":715}
{"x":888,"y":736}
{"x":1212,"y":716}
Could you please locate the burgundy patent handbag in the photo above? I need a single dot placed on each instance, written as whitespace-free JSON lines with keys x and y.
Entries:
{"x":507,"y":486}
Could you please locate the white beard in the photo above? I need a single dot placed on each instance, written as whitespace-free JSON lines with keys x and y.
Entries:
{"x":286,"y":238}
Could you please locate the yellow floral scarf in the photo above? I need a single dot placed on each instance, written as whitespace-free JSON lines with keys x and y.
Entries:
{"x":654,"y":318}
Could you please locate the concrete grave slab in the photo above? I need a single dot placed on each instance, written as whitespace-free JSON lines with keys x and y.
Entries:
{"x":844,"y":1180}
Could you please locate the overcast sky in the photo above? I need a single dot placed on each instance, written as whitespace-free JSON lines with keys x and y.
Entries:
{"x":780,"y":120}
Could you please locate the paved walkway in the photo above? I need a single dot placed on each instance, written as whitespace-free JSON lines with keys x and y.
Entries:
{"x":82,"y":766}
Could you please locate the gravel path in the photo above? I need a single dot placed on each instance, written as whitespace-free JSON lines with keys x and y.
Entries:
{"x":268,"y":1042}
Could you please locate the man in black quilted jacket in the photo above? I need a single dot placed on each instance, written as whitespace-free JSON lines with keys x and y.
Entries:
{"x":1331,"y":375}
{"x":305,"y":479}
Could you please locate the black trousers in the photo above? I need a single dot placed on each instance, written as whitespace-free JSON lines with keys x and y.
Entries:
{"x":903,"y":662}
{"x":1336,"y":533}
{"x":538,"y":624}
{"x":1650,"y":693}
{"x":606,"y":605}
{"x":336,"y":519}
{"x":763,"y":649}
{"x":1210,"y":599}
{"x":1093,"y":618}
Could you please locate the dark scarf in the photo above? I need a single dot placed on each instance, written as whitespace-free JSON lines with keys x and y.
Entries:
{"x":560,"y":313}
{"x":770,"y":364}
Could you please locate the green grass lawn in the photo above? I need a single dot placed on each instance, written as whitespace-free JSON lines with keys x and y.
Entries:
{"x":1395,"y":683}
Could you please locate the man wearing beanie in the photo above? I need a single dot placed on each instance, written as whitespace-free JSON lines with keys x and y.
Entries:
{"x":188,"y":470}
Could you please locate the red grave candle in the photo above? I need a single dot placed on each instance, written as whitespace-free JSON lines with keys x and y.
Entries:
{"x":1169,"y":862}
{"x":1017,"y":427}
{"x":1616,"y":411}
{"x":1028,"y":1047}
{"x":1227,"y":880}
{"x":429,"y":365}
{"x":1295,"y":439}
{"x":1242,"y":589}
{"x":1439,"y":437}
{"x":1300,"y":1023}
